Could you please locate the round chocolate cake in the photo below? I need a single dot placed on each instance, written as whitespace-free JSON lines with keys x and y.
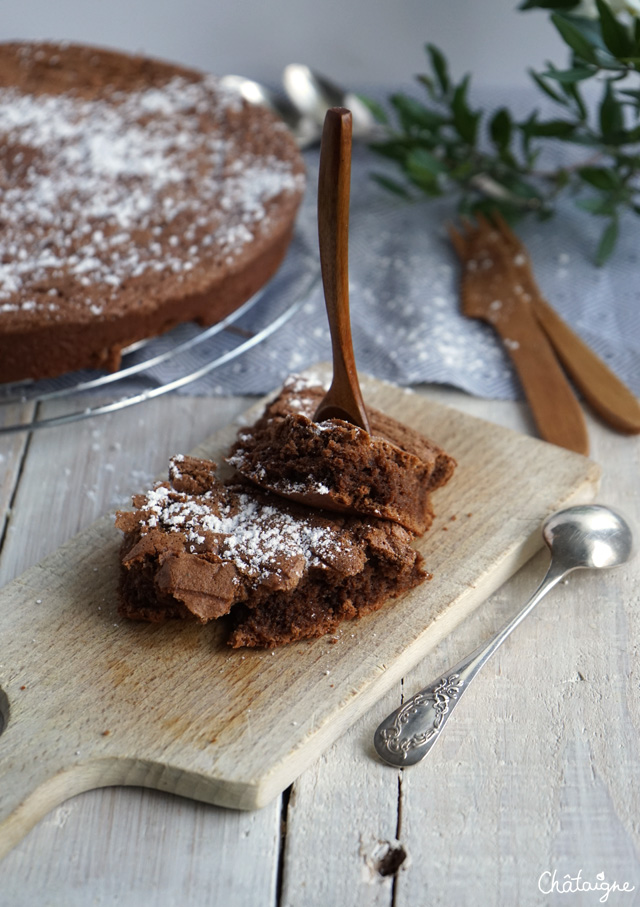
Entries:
{"x":134,"y":195}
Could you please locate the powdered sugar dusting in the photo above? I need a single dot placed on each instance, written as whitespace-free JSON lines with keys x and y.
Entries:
{"x":258,"y":538}
{"x":97,"y":193}
{"x":300,"y":400}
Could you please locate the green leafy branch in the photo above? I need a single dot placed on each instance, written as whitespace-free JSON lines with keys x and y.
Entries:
{"x":491,"y":161}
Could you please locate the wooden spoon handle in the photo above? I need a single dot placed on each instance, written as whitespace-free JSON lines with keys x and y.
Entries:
{"x":333,"y":229}
{"x":603,"y":390}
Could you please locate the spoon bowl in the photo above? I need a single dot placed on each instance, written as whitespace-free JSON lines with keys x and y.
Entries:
{"x":313,"y":94}
{"x":304,"y":128}
{"x":587,"y":536}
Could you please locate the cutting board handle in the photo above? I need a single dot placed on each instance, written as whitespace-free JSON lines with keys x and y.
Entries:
{"x":34,"y":777}
{"x":40,"y":772}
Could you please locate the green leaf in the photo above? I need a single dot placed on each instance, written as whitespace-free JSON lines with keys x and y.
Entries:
{"x":390,"y":184}
{"x":520,"y":187}
{"x":420,"y":161}
{"x":464,"y":120}
{"x":439,"y":67}
{"x":631,"y":92}
{"x":508,"y":158}
{"x":611,"y":115}
{"x":589,"y":28}
{"x":462,"y":171}
{"x":415,"y":116}
{"x":614,"y":34}
{"x":548,"y":90}
{"x":588,"y":141}
{"x":607,"y":242}
{"x":632,"y":161}
{"x":424,"y":181}
{"x":575,"y":36}
{"x":500,"y":128}
{"x":555,"y":129}
{"x":601,"y":207}
{"x":429,"y":84}
{"x":569,"y":76}
{"x":395,"y":150}
{"x":574,"y":92}
{"x":600,"y":177}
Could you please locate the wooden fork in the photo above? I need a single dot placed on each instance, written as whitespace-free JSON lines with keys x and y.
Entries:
{"x":492,"y":292}
{"x":343,"y":400}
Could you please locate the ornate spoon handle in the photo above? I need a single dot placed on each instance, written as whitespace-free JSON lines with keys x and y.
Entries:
{"x":408,"y":734}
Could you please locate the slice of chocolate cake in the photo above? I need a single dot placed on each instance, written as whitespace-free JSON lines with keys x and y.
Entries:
{"x":197,"y":548}
{"x":336,"y":466}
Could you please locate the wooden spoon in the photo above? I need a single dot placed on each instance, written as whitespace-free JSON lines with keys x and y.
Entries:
{"x":343,"y":400}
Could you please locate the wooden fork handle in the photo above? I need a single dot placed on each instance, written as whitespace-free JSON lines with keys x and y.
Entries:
{"x":555,"y":408}
{"x":334,"y":183}
{"x":603,"y":390}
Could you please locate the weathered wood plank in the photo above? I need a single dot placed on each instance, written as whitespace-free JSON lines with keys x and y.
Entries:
{"x":12,"y":451}
{"x":134,"y":847}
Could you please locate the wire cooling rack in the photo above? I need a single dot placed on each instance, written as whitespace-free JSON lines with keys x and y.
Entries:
{"x":151,"y":368}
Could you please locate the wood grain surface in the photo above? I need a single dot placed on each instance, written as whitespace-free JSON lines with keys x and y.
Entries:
{"x":96,"y":701}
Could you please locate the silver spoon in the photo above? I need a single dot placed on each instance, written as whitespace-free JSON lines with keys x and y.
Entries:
{"x":588,"y":535}
{"x":313,"y":94}
{"x":305,"y":129}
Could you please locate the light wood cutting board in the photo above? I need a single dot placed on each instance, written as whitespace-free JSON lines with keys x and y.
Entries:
{"x":91,"y":700}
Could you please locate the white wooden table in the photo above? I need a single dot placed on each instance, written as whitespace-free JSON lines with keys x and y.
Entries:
{"x":536,"y":774}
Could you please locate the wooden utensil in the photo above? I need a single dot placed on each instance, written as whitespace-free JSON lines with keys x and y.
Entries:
{"x":343,"y":400}
{"x":90,"y":699}
{"x":489,"y":292}
{"x":602,"y":389}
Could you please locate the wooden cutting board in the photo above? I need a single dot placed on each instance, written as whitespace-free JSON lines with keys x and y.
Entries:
{"x":91,"y":700}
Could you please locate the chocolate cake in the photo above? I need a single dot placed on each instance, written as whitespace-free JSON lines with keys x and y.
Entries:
{"x":135,"y":195}
{"x":197,"y":548}
{"x":337,"y":466}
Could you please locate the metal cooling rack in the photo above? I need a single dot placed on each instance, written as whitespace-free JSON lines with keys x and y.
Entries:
{"x":188,"y":353}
